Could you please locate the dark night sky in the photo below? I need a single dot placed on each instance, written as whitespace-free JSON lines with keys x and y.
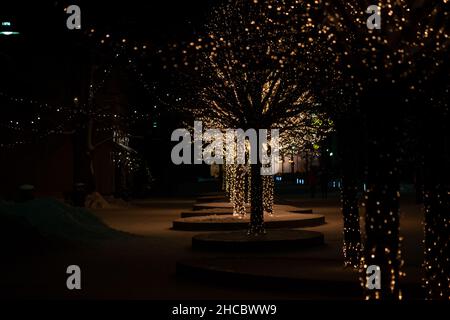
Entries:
{"x":155,"y":20}
{"x":43,"y":62}
{"x":45,"y":42}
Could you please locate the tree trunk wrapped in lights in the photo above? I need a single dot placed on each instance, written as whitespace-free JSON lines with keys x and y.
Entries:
{"x":248,"y":183}
{"x":350,"y":152}
{"x":382,"y":246}
{"x":223,"y":170}
{"x":237,"y":180}
{"x":268,"y":183}
{"x":235,"y":188}
{"x":268,"y":189}
{"x":437,"y":242}
{"x":239,"y":191}
{"x":352,"y":232}
{"x":256,"y":225}
{"x":229,"y":182}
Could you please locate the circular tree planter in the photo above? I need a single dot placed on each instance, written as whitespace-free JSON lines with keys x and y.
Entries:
{"x":298,"y":210}
{"x":206,"y":212}
{"x":207,"y":206}
{"x":272,"y":240}
{"x":230,"y":222}
{"x":212,"y":198}
{"x":214,"y":205}
{"x":223,"y":212}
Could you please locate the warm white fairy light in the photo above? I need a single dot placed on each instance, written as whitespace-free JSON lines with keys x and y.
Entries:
{"x":268,"y":194}
{"x":352,"y":248}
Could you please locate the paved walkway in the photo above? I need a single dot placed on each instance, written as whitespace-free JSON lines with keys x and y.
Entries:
{"x":143,"y":267}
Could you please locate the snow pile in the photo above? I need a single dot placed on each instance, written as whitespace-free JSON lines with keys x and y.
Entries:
{"x":53,"y":219}
{"x":96,"y":201}
{"x":17,"y":236}
{"x":118,"y":203}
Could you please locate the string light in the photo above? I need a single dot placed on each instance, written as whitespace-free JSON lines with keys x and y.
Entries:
{"x":352,"y":248}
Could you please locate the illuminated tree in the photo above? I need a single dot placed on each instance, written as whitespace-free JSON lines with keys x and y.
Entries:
{"x":291,"y":142}
{"x":387,"y":68}
{"x":260,"y":65}
{"x":237,"y":189}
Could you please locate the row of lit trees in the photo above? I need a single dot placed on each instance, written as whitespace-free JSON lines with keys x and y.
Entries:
{"x":308,"y":132}
{"x":390,"y":70}
{"x":264,"y":64}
